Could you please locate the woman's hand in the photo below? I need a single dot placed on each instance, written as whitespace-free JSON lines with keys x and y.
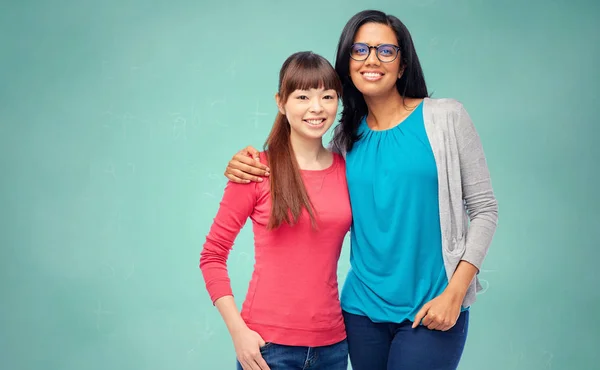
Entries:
{"x":247,"y":345}
{"x":245,"y":166}
{"x":441,"y":313}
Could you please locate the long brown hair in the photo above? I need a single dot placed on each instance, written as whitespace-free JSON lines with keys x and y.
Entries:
{"x":301,"y":71}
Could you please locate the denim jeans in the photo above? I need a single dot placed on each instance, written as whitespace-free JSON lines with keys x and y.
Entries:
{"x":280,"y":357}
{"x":389,"y":346}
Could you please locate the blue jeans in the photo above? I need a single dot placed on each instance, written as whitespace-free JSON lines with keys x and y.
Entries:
{"x":280,"y":357}
{"x":388,"y":346}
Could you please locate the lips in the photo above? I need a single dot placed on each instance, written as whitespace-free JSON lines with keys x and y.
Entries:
{"x":372,"y":76}
{"x":315,"y":121}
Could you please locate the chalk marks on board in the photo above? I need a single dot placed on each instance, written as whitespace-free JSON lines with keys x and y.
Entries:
{"x":547,"y":357}
{"x":113,"y":225}
{"x":108,"y":271}
{"x":209,"y":195}
{"x":434,"y":43}
{"x":231,"y":70}
{"x":243,"y":258}
{"x":99,"y":311}
{"x":131,"y":272}
{"x":526,"y":358}
{"x":215,"y":102}
{"x":110,"y":170}
{"x":456,"y":45}
{"x":257,"y":114}
{"x":206,"y":332}
{"x":485,"y":284}
{"x":121,"y":122}
{"x":179,"y":126}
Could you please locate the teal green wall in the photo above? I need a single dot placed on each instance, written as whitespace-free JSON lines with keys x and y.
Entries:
{"x":117,"y":119}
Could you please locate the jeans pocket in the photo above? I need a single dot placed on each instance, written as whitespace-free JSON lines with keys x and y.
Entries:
{"x":265,"y":347}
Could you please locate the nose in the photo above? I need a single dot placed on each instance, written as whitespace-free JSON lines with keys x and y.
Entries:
{"x":315,"y":106}
{"x":372,"y":58}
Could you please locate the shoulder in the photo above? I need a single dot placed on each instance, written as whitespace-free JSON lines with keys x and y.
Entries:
{"x":262,"y":189}
{"x":443,"y":105}
{"x":263,"y":158}
{"x":338,"y":160}
{"x":447,"y":114}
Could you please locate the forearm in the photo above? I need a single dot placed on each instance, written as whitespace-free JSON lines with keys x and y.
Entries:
{"x":461,"y":279}
{"x":230,"y":314}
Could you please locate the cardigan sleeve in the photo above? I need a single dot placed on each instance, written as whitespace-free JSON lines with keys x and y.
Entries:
{"x":478,"y":195}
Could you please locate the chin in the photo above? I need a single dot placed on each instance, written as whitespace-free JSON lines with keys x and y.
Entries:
{"x":380,"y":88}
{"x":314,"y":135}
{"x":376,"y":91}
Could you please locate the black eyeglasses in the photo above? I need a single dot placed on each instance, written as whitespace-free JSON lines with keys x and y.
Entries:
{"x":386,"y":53}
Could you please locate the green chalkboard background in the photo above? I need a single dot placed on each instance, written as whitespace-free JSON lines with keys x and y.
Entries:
{"x":117,"y":119}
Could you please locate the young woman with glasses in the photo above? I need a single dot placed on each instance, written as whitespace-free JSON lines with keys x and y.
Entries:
{"x":424,"y":212}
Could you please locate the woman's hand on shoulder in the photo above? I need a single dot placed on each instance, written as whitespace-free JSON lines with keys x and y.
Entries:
{"x":245,"y":166}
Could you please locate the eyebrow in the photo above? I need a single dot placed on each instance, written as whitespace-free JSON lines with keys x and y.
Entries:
{"x":383,"y":43}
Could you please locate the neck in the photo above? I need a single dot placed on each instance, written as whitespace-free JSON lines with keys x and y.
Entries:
{"x":384,"y":111}
{"x":309,"y":152}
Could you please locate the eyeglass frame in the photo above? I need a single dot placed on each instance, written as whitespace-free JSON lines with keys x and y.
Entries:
{"x":376,"y":51}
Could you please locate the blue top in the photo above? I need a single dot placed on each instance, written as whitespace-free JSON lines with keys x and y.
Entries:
{"x":396,"y":247}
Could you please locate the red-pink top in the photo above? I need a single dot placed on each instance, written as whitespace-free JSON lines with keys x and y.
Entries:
{"x":293,"y":296}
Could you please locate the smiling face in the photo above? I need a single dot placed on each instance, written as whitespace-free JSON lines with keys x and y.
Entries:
{"x":372,"y":77}
{"x":310,"y":113}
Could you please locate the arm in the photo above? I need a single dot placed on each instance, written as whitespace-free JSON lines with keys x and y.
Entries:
{"x":478,"y":194}
{"x":481,"y":204}
{"x":245,"y":167}
{"x":236,"y":206}
{"x":247,"y":342}
{"x":441,"y":312}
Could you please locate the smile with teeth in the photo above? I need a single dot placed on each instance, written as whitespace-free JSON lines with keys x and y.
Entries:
{"x":372,"y":75}
{"x":315,"y":122}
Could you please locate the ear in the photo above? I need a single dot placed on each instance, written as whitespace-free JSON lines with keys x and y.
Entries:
{"x":401,"y":72}
{"x":279,"y":104}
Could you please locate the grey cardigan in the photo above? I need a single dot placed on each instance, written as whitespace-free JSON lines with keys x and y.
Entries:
{"x":468,"y":207}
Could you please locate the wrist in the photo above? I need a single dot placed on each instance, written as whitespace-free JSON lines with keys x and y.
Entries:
{"x":237,"y":326}
{"x":456,"y":293}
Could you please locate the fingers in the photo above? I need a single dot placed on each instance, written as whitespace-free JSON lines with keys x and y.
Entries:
{"x":447,"y":325}
{"x":252,"y":152}
{"x":260,"y":361}
{"x":258,"y":358}
{"x":235,"y":179}
{"x":248,"y":164}
{"x":420,"y":315}
{"x":436,"y":322}
{"x":429,"y":320}
{"x":250,"y":364}
{"x":244,"y":169}
{"x":254,"y":362}
{"x":432,"y":324}
{"x":240,"y":176}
